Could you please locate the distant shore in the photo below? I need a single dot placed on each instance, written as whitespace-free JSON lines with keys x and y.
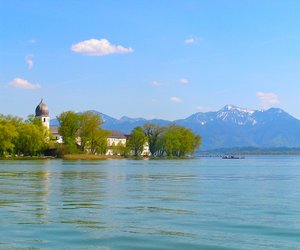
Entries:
{"x":91,"y":157}
{"x":107,"y":157}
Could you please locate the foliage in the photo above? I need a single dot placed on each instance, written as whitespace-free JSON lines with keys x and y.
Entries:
{"x":99,"y":141}
{"x":120,"y":149}
{"x":89,"y":133}
{"x":31,"y":139}
{"x":178,"y":141}
{"x":69,"y":126}
{"x":153,"y":132}
{"x":82,"y":132}
{"x":23,"y":138}
{"x":136,"y":141}
{"x":171,"y":141}
{"x":8,"y":133}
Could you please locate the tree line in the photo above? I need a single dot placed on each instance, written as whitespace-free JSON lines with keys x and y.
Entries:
{"x":21,"y":137}
{"x":82,"y":133}
{"x":164,"y":141}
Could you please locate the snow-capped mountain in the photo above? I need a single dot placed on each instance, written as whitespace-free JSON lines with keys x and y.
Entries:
{"x":239,"y":127}
{"x":231,"y":126}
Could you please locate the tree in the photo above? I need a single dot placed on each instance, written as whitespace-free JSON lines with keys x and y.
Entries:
{"x":137,"y":141}
{"x":31,"y":140}
{"x":89,"y":130}
{"x":153,"y":132}
{"x":69,"y":126}
{"x":15,"y":120}
{"x":171,"y":140}
{"x":177,"y":141}
{"x":99,"y":144}
{"x":188,"y":142}
{"x":8,"y":133}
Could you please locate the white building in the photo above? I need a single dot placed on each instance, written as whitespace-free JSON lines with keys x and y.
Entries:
{"x":116,"y":138}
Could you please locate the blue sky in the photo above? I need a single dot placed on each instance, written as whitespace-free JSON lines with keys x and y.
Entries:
{"x":152,"y":59}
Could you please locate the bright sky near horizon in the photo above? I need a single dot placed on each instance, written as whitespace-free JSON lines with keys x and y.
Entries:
{"x":154,"y":59}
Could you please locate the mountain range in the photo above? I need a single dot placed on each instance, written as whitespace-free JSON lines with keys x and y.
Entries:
{"x":229,"y":127}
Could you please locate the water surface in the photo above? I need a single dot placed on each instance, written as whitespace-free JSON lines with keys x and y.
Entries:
{"x":206,"y":203}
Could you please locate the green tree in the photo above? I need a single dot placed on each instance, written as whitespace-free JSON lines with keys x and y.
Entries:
{"x":15,"y":120}
{"x":69,"y":126}
{"x":32,"y":139}
{"x":188,"y":142}
{"x":89,"y":125}
{"x":177,"y":141}
{"x":136,"y":141}
{"x":153,"y":132}
{"x":100,"y":141}
{"x":8,"y":133}
{"x":172,"y":141}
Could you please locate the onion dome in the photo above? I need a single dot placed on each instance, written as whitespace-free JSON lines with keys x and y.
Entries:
{"x":42,"y":109}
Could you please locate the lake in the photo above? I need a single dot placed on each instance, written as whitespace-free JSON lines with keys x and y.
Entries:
{"x":207,"y":203}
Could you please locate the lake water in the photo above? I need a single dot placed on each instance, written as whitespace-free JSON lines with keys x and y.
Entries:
{"x":206,"y":203}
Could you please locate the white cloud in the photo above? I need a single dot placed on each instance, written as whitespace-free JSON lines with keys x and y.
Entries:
{"x":267,"y":99}
{"x":192,"y":40}
{"x":29,"y":61}
{"x":189,"y":40}
{"x":175,"y":99}
{"x":20,"y":83}
{"x":101,"y":47}
{"x":155,"y":83}
{"x":183,"y":81}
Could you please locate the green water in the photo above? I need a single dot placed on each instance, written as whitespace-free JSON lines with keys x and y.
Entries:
{"x":206,"y":203}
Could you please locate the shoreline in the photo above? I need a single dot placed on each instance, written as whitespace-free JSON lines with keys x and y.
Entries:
{"x":91,"y":157}
{"x":118,"y":157}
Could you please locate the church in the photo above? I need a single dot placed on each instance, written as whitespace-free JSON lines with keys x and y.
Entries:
{"x":42,"y":113}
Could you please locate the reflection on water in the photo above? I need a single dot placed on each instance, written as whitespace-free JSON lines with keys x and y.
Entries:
{"x":124,"y":204}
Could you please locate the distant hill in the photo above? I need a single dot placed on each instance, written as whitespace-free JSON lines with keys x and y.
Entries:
{"x":229,"y":127}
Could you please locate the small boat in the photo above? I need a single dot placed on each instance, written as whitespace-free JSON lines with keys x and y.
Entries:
{"x":232,"y":157}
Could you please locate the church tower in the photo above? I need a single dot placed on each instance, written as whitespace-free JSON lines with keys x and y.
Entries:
{"x":42,"y":112}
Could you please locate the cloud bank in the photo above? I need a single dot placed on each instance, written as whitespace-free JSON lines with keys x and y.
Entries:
{"x":267,"y":99}
{"x":101,"y":47}
{"x":20,"y":83}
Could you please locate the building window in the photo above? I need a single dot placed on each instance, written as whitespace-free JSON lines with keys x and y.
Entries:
{"x":44,"y":119}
